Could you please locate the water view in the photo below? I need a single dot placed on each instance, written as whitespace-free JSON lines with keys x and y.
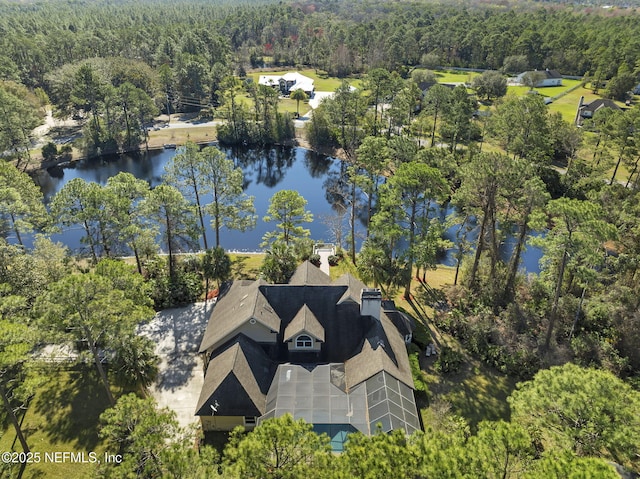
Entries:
{"x":266,"y":171}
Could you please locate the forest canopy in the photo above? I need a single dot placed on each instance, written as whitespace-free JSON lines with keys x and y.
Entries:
{"x":342,"y":38}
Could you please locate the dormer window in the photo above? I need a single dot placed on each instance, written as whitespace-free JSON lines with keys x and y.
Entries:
{"x":304,"y":342}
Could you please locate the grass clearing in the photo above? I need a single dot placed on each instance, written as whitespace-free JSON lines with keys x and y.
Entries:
{"x":180,"y":136}
{"x":246,"y":265}
{"x":568,"y":104}
{"x":63,"y":416}
{"x":436,"y":279}
{"x":476,"y":392}
{"x":548,"y":91}
{"x":343,"y":267}
{"x":288,"y":105}
{"x":447,"y":76}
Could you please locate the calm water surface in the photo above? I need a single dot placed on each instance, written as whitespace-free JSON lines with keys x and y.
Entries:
{"x":314,"y":176}
{"x":265,"y":172}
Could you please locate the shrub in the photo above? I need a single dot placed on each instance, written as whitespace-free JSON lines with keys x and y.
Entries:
{"x":421,"y":335}
{"x":191,"y":263}
{"x":65,"y":151}
{"x":314,"y":259}
{"x":449,"y":360}
{"x":49,"y":151}
{"x":185,"y":287}
{"x":419,"y":380}
{"x":303,"y":249}
{"x":135,"y":362}
{"x":333,"y":260}
{"x":279,"y":264}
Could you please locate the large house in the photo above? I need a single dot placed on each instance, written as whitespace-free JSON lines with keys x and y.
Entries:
{"x":288,"y":82}
{"x":546,"y":78}
{"x":587,"y":110}
{"x":330,"y":352}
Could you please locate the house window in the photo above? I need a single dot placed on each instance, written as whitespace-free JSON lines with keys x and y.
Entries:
{"x":250,"y":421}
{"x":304,"y":341}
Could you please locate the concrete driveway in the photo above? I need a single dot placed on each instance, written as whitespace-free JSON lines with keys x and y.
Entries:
{"x":318,"y":96}
{"x":177,"y":334}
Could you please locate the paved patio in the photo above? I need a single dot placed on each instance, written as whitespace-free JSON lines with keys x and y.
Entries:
{"x":177,"y":333}
{"x":324,"y":253}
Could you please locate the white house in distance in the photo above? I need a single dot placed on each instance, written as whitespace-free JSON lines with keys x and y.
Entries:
{"x":547,"y":78}
{"x":288,"y":82}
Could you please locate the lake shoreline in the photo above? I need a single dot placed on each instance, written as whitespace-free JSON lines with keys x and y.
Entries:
{"x":39,"y":164}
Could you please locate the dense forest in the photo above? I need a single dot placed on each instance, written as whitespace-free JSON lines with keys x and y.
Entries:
{"x":340,"y":37}
{"x":408,"y":148}
{"x":121,"y":63}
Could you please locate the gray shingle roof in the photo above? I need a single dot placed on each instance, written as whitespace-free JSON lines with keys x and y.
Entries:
{"x":354,"y":288}
{"x":237,"y":380}
{"x":404,"y":323}
{"x":343,"y":326}
{"x":241,"y":371}
{"x":599,"y":103}
{"x":307,"y":273}
{"x":383,"y":349}
{"x":241,"y":303}
{"x":305,"y":321}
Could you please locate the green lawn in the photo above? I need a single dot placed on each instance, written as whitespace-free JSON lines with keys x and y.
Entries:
{"x":343,"y":267}
{"x":246,"y":266}
{"x":549,"y":91}
{"x":289,"y":105}
{"x":568,"y":104}
{"x":63,"y":416}
{"x":455,"y":76}
{"x":179,"y":136}
{"x":476,"y":392}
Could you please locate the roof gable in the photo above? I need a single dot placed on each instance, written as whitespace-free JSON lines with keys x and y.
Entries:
{"x":304,"y":321}
{"x":383,"y":349}
{"x":243,"y":372}
{"x":544,"y":74}
{"x":241,"y":304}
{"x":308,"y":274}
{"x":600,"y":103}
{"x":354,"y":288}
{"x":343,"y":326}
{"x":552,"y":74}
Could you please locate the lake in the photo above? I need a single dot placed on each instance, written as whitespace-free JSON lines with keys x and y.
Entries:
{"x":266,"y":170}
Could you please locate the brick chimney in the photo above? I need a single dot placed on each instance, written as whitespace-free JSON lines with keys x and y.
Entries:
{"x":371,"y":302}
